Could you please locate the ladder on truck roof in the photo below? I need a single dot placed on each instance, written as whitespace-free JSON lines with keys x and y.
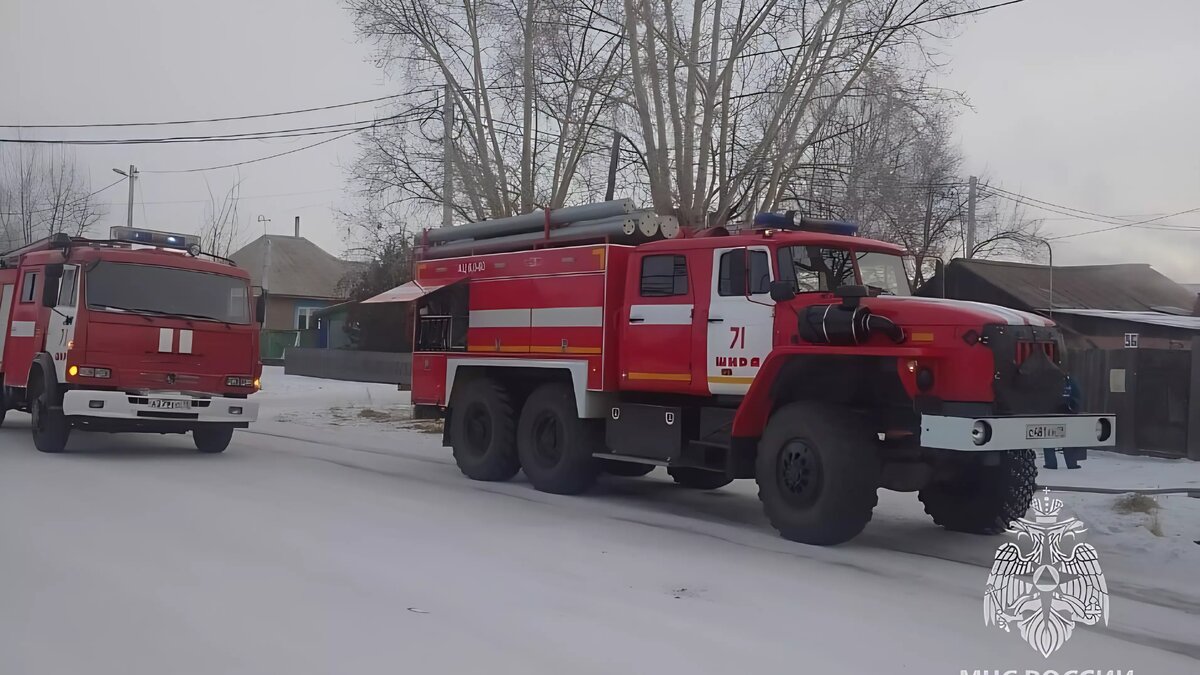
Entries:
{"x":614,"y":222}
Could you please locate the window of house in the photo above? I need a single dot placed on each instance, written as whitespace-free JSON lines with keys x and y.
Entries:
{"x":664,"y":276}
{"x":758,"y":274}
{"x":305,"y":319}
{"x":28,"y":286}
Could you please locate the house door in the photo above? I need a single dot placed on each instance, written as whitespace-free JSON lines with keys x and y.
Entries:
{"x":741,"y":318}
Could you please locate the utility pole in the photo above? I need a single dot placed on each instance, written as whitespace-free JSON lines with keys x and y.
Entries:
{"x":447,"y":160}
{"x":969,"y":245}
{"x":132,"y":176}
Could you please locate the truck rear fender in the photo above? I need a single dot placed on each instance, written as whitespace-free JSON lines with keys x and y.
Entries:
{"x":522,"y":375}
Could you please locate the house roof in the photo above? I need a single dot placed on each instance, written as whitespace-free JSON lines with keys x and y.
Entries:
{"x":1132,"y":287}
{"x":1151,"y":318}
{"x":293,"y":266}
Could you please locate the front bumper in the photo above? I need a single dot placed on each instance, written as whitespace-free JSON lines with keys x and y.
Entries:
{"x":1032,"y":432}
{"x":124,"y":406}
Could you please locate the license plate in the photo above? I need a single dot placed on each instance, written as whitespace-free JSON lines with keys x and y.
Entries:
{"x":169,"y":404}
{"x":1043,"y":431}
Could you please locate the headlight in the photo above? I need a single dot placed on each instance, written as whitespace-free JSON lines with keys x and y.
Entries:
{"x":88,"y":371}
{"x":981,"y":432}
{"x":236,"y":381}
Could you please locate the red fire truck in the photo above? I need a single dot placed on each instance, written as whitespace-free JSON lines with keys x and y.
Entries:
{"x":793,"y":354}
{"x":133,"y":333}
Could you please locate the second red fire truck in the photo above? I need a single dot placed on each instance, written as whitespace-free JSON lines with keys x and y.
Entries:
{"x":134,"y":333}
{"x":792,"y":353}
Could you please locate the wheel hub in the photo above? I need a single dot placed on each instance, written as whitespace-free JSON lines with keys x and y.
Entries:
{"x":548,"y":439}
{"x":477,"y":425}
{"x":799,"y":472}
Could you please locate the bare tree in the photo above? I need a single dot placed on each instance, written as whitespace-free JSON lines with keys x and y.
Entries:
{"x":528,"y":110}
{"x":221,"y":220}
{"x":42,"y":193}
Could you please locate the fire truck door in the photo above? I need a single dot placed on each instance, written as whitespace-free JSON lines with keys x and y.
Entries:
{"x":656,"y":349}
{"x":60,"y":329}
{"x":6,"y":300}
{"x":740,"y":318}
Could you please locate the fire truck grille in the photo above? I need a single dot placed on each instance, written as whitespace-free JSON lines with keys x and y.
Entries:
{"x":1025,"y":349}
{"x":145,"y":400}
{"x":163,"y":415}
{"x":1028,"y":376}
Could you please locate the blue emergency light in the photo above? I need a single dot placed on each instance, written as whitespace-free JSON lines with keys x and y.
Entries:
{"x":134,"y":235}
{"x":791,"y":220}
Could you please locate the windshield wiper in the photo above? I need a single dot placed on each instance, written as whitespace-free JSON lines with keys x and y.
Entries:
{"x":205,"y":317}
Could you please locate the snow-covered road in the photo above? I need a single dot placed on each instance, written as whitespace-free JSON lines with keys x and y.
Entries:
{"x":326,"y":540}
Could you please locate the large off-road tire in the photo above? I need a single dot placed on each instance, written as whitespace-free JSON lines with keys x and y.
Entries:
{"x":626,"y":469}
{"x":554,"y":445}
{"x":698,"y":479}
{"x":818,"y":473}
{"x":3,"y":409}
{"x":50,"y":426}
{"x":984,"y":499}
{"x":483,"y":432}
{"x":212,"y":438}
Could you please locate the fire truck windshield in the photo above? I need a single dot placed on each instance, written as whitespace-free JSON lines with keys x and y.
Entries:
{"x":815,"y":269}
{"x":167,"y":291}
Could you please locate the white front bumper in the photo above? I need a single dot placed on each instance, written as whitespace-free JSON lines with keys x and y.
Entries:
{"x":120,"y":405}
{"x":1017,"y":433}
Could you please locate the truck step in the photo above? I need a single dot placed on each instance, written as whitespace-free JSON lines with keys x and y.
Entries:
{"x":630,"y":458}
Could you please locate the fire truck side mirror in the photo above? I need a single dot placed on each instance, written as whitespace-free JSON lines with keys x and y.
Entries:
{"x":260,"y":308}
{"x":782,"y":291}
{"x":53,"y":274}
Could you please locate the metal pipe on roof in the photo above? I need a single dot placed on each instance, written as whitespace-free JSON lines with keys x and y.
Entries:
{"x":530,"y":222}
{"x":617,"y":230}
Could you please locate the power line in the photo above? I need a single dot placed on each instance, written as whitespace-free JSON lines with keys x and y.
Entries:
{"x":393,"y":122}
{"x":777,"y":50}
{"x":1034,"y":202}
{"x":202,"y":121}
{"x":1124,"y":225}
{"x":297,"y":132}
{"x":72,"y":203}
{"x":258,"y":159}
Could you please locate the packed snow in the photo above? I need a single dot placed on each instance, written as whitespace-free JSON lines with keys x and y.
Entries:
{"x":336,"y":535}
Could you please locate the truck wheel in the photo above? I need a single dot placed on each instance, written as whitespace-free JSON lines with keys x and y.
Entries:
{"x":984,"y":499}
{"x":554,"y":445}
{"x":213,"y":438}
{"x":626,"y":469}
{"x":482,"y":433}
{"x":698,"y":479}
{"x":3,"y":411}
{"x":50,"y":427}
{"x":817,"y":473}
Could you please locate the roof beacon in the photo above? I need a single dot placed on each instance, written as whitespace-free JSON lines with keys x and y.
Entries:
{"x":133,"y":235}
{"x":792,"y":220}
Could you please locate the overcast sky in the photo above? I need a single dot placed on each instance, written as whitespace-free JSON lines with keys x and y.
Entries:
{"x":1084,"y":103}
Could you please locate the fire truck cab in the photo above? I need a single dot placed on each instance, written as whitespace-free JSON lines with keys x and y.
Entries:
{"x":134,"y":333}
{"x":793,"y":355}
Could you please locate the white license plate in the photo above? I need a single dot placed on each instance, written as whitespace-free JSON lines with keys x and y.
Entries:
{"x":1043,"y":431}
{"x":169,"y":404}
